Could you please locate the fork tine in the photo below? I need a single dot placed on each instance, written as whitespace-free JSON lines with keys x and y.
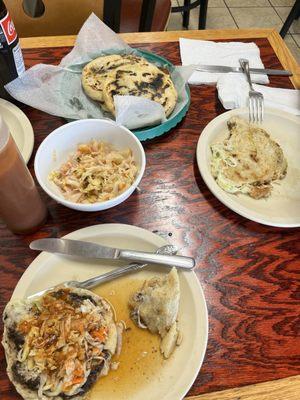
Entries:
{"x":257,"y":102}
{"x":251,"y":114}
{"x":257,"y":109}
{"x":262,"y":108}
{"x":253,"y":110}
{"x":249,"y":110}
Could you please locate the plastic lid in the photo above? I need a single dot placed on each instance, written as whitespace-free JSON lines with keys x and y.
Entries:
{"x":4,"y":133}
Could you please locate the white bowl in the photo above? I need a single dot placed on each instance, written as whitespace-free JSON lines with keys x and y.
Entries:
{"x":63,"y":141}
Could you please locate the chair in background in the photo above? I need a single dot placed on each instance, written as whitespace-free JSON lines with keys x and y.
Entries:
{"x":294,"y":14}
{"x":188,"y":5}
{"x":137,"y":15}
{"x":65,"y":17}
{"x":60,"y":17}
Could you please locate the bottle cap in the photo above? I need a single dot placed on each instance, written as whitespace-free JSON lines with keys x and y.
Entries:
{"x":4,"y":133}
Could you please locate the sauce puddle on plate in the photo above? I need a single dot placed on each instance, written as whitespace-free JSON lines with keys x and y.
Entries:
{"x":140,"y":359}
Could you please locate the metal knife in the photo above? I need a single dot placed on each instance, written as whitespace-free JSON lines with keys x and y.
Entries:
{"x":92,"y":250}
{"x":220,"y":68}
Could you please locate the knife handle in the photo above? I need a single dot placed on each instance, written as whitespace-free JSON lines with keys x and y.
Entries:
{"x":150,"y":258}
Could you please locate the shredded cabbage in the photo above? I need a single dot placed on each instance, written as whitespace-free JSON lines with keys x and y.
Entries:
{"x":96,"y":172}
{"x":63,"y":340}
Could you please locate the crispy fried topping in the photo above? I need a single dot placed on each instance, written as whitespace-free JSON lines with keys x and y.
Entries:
{"x":64,"y":338}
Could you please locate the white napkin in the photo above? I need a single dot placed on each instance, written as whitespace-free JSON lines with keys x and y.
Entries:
{"x":136,"y":112}
{"x":233,"y":90}
{"x":211,"y":53}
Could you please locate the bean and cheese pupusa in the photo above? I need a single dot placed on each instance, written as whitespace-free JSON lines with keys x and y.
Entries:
{"x":107,"y":76}
{"x":248,"y":160}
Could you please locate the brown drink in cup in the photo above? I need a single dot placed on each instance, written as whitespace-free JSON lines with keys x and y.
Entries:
{"x":21,"y":207}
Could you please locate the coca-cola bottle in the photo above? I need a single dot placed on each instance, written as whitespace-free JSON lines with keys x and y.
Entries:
{"x":11,"y":59}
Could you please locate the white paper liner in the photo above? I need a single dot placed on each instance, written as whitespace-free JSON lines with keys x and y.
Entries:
{"x":57,"y":90}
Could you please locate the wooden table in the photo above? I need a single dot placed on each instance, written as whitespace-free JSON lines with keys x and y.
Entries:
{"x":249,"y":272}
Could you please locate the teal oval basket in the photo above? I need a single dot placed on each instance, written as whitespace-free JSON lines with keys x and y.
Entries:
{"x":158,"y":130}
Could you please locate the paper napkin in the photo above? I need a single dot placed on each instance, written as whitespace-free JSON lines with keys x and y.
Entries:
{"x":211,"y":53}
{"x":233,"y":90}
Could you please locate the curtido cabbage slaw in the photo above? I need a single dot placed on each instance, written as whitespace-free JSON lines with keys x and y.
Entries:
{"x":96,"y":172}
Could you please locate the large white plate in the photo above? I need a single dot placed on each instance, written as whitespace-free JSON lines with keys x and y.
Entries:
{"x":19,"y":126}
{"x":179,"y":372}
{"x":282,"y":208}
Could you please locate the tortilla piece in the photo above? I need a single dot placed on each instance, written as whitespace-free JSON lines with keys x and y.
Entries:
{"x":66,"y":337}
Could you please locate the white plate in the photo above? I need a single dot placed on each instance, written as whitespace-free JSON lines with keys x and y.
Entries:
{"x":282,"y":208}
{"x":19,"y":126}
{"x":177,"y":374}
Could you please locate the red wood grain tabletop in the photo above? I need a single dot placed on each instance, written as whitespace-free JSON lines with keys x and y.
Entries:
{"x":249,"y":272}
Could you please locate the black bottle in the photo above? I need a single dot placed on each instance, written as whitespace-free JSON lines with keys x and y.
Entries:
{"x":11,"y":59}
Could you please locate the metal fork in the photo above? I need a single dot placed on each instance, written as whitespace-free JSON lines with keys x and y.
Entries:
{"x":256,"y":99}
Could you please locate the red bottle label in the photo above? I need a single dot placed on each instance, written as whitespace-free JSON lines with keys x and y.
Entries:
{"x":8,"y":28}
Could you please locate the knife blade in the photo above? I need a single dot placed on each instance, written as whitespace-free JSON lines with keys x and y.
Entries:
{"x":84,"y":249}
{"x":223,"y":68}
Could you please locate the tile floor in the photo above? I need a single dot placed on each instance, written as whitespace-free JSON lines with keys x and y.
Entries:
{"x":229,"y":14}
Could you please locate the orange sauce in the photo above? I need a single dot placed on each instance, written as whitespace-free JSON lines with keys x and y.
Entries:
{"x":140,"y":359}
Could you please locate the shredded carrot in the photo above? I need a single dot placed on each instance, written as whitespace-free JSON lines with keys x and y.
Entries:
{"x":24,"y":327}
{"x":99,"y":334}
{"x":77,"y":379}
